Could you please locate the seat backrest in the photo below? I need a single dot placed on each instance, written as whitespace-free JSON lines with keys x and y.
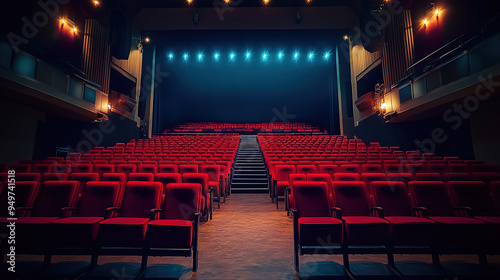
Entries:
{"x":21,"y":167}
{"x":351,"y":168}
{"x":61,"y":168}
{"x":126,"y":168}
{"x":483,"y":168}
{"x":321,"y":177}
{"x":328,"y":168}
{"x":140,"y":197}
{"x":311,"y":199}
{"x":182,"y":201}
{"x":393,"y":197}
{"x":401,"y":177}
{"x":394,"y":168}
{"x":486,"y":177}
{"x":41,"y":168}
{"x":53,"y":196}
{"x":282,"y":171}
{"x":432,"y":195}
{"x":306,"y":168}
{"x":115,"y":177}
{"x":96,"y":197}
{"x":448,"y":176}
{"x":346,"y":177}
{"x":473,"y":194}
{"x":372,"y":168}
{"x":199,"y":178}
{"x":437,"y":167}
{"x":188,"y":168}
{"x":83,"y":178}
{"x":495,"y":194}
{"x":294,"y":177}
{"x":415,"y":168}
{"x":428,"y":176}
{"x":28,"y":177}
{"x":368,"y":178}
{"x":144,"y":177}
{"x":55,"y":177}
{"x":82,"y":168}
{"x":213,"y":172}
{"x":459,"y":168}
{"x":167,"y":168}
{"x":352,"y":198}
{"x":147,"y":168}
{"x":25,"y":193}
{"x":168,"y":178}
{"x":104,"y":168}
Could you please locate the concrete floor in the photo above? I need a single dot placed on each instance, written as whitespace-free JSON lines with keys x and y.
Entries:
{"x":249,"y":238}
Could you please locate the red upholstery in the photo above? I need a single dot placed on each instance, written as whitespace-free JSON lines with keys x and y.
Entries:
{"x":346,"y":177}
{"x":202,"y":179}
{"x":25,"y":193}
{"x":104,"y":168}
{"x":28,"y":177}
{"x":372,"y":168}
{"x":21,"y":168}
{"x":428,"y":177}
{"x":168,"y":178}
{"x":368,"y":178}
{"x":188,"y":168}
{"x":82,"y":168}
{"x":486,"y":177}
{"x":147,"y":168}
{"x":61,"y":168}
{"x":41,"y":168}
{"x":415,"y":168}
{"x":145,"y":177}
{"x":126,"y":168}
{"x":457,"y":177}
{"x":401,"y":177}
{"x":351,"y":168}
{"x":115,"y":177}
{"x":306,"y":168}
{"x":167,"y":168}
{"x":459,"y":168}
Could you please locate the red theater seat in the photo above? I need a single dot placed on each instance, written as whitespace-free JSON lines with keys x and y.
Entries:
{"x":144,"y":177}
{"x":168,"y":178}
{"x":214,"y":182}
{"x":305,"y":169}
{"x":174,"y":231}
{"x":315,"y":230}
{"x":148,"y":168}
{"x":281,"y":179}
{"x":41,"y":168}
{"x":428,"y":177}
{"x":188,"y":168}
{"x":115,"y":177}
{"x":126,"y":168}
{"x":346,"y":177}
{"x":447,"y":177}
{"x":103,"y":168}
{"x":329,"y":169}
{"x":82,"y":168}
{"x":55,"y":177}
{"x":25,"y":194}
{"x":207,"y":192}
{"x":372,"y":168}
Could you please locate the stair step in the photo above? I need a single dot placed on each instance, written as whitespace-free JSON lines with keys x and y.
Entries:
{"x":255,"y":175}
{"x":250,"y":190}
{"x":250,"y":180}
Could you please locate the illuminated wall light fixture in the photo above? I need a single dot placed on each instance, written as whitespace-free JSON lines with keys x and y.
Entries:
{"x":96,"y":3}
{"x":147,"y":40}
{"x":189,"y":2}
{"x":227,"y":2}
{"x":266,"y":1}
{"x":346,"y":38}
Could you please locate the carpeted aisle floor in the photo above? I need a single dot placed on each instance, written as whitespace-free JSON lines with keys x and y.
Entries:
{"x":248,"y":238}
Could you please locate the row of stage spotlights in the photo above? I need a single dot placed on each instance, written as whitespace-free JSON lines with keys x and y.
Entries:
{"x":247,"y":56}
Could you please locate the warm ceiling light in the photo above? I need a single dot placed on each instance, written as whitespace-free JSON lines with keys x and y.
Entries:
{"x":425,"y":22}
{"x":96,"y":3}
{"x":147,"y":40}
{"x":383,"y":106}
{"x":190,"y":1}
{"x":308,"y":1}
{"x":436,"y":12}
{"x":227,"y":1}
{"x":109,"y":106}
{"x":63,"y":21}
{"x":75,"y":29}
{"x":266,"y":2}
{"x":346,"y":37}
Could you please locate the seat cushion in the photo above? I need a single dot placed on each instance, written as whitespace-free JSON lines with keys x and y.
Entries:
{"x":416,"y":231}
{"x":492,"y":232}
{"x":320,"y":231}
{"x":459,"y":231}
{"x":365,"y":230}
{"x":32,"y":234}
{"x":122,"y":232}
{"x":77,"y":232}
{"x":170,"y":234}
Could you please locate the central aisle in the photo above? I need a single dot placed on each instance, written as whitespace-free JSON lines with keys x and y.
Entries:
{"x":247,"y":239}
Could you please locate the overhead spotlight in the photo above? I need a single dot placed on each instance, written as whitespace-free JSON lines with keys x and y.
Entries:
{"x":248,"y":55}
{"x":346,"y":38}
{"x":326,"y":55}
{"x":75,"y":30}
{"x":189,"y":2}
{"x":310,"y":56}
{"x":185,"y":56}
{"x":308,"y":1}
{"x":96,"y":3}
{"x":295,"y":55}
{"x":266,"y":1}
{"x":62,"y":21}
{"x":170,"y":56}
{"x":383,"y":106}
{"x":200,"y":56}
{"x":196,"y":18}
{"x":298,"y":17}
{"x":264,"y":56}
{"x":147,"y":39}
{"x":280,"y":55}
{"x":216,"y":56}
{"x":425,"y":22}
{"x":232,"y":55}
{"x":227,"y":2}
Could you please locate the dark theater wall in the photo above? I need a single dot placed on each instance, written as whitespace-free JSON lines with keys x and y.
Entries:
{"x":243,"y":91}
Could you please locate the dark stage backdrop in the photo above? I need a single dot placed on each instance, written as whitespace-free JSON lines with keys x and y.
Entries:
{"x":242,"y":91}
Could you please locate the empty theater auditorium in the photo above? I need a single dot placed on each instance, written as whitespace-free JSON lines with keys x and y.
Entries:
{"x":250,"y":139}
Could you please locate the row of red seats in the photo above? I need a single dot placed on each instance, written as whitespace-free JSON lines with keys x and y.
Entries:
{"x":138,"y":218}
{"x":430,"y":218}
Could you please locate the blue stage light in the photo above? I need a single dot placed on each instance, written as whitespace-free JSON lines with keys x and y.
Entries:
{"x":185,"y":56}
{"x":232,"y":55}
{"x":310,"y":56}
{"x":200,"y":56}
{"x":280,"y":55}
{"x":216,"y":56}
{"x":248,"y":55}
{"x":265,"y":56}
{"x":296,"y":55}
{"x":326,"y":56}
{"x":170,"y":56}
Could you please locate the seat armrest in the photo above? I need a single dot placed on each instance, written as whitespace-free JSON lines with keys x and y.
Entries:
{"x":111,"y":210}
{"x":422,"y":210}
{"x":336,"y":212}
{"x":466,"y":209}
{"x":379,"y":212}
{"x":67,"y":210}
{"x":153,"y":214}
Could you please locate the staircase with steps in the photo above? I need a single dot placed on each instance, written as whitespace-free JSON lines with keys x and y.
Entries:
{"x":250,"y":173}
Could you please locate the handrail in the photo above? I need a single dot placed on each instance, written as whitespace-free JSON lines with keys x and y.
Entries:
{"x":472,"y":32}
